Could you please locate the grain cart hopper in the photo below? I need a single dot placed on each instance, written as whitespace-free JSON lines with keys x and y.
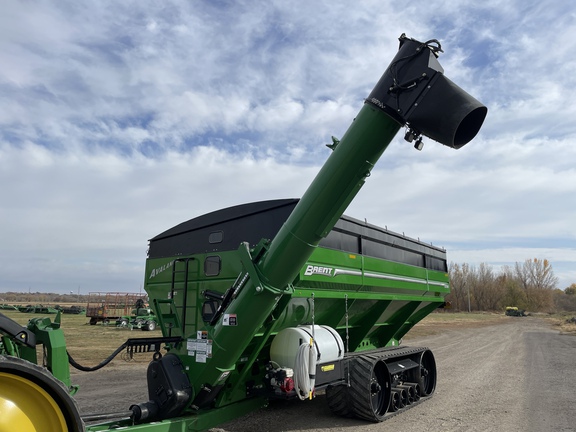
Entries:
{"x":287,"y":298}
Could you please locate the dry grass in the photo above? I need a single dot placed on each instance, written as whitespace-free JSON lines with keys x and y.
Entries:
{"x":90,"y":344}
{"x":563,"y":323}
{"x":441,"y":321}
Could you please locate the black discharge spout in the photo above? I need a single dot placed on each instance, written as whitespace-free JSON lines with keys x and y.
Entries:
{"x":415,"y":92}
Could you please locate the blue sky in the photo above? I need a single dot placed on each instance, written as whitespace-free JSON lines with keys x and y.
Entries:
{"x":119,"y":120}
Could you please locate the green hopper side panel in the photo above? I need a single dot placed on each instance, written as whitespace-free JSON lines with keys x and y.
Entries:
{"x":372,"y":301}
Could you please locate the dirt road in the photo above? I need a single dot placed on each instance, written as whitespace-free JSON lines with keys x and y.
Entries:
{"x":516,"y":376}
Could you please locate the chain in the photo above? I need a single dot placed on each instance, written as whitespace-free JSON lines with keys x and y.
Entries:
{"x":346,"y":317}
{"x":347,"y":336}
{"x":313,"y":316}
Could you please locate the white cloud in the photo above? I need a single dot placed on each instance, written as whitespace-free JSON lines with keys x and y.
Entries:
{"x":78,"y":219}
{"x":119,"y":120}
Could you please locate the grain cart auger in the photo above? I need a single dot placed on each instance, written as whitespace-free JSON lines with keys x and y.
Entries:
{"x":321,"y":306}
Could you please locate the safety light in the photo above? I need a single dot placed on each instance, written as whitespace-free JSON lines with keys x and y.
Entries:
{"x":415,"y":92}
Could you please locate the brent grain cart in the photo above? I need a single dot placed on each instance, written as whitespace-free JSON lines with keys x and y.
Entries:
{"x":285,"y":298}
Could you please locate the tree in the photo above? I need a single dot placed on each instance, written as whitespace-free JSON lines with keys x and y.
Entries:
{"x":537,"y":279}
{"x":482,"y":280}
{"x":564,"y":300}
{"x":538,"y":274}
{"x":511,"y":287}
{"x":571,"y":290}
{"x":459,"y":285}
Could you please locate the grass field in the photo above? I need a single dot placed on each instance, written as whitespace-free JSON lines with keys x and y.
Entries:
{"x":563,"y":322}
{"x":89,"y":344}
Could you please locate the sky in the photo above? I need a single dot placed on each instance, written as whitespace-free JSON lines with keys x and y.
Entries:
{"x":119,"y":120}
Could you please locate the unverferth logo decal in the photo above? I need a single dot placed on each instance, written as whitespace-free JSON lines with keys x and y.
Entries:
{"x":158,"y":270}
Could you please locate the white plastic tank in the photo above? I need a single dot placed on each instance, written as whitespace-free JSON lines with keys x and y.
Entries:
{"x":328,"y":342}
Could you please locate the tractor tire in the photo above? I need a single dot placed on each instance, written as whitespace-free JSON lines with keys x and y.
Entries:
{"x":149,"y":326}
{"x":370,"y":388}
{"x":33,"y":400}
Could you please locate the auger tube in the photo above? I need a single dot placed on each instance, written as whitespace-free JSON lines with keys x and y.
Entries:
{"x":324,"y":202}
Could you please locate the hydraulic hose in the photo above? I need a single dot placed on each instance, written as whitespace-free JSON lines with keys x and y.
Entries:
{"x":98,"y":366}
{"x":305,"y":370}
{"x":145,"y":343}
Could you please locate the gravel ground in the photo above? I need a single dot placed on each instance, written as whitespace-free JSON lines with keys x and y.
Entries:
{"x":516,"y":376}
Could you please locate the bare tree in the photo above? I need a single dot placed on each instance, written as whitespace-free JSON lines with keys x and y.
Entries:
{"x":571,"y":290}
{"x":484,"y":288}
{"x":513,"y":293}
{"x":565,"y":300}
{"x":492,"y":286}
{"x":535,"y":273}
{"x":459,"y":286}
{"x":537,"y":279}
{"x":529,"y":285}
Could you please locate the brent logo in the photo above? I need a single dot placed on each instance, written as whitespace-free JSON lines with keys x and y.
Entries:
{"x":318,"y":270}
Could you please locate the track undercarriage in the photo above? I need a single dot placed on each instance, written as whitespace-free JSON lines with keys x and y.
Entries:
{"x":383,"y":383}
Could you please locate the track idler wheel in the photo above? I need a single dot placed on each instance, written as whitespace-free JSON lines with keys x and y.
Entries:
{"x":369,"y":391}
{"x":427,"y":373}
{"x":32,"y":400}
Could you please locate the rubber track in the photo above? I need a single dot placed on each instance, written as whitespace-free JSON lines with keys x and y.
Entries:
{"x":339,"y":401}
{"x":406,"y":408}
{"x":388,"y":353}
{"x":359,"y":390}
{"x":339,"y":396}
{"x":342,"y":393}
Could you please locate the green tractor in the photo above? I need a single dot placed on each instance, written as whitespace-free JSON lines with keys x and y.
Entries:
{"x":142,"y":318}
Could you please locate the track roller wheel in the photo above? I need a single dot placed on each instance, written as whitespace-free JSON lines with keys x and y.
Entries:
{"x":394,"y":401}
{"x":369,"y":390}
{"x":410,"y":394}
{"x":402,"y":397}
{"x":415,"y":389}
{"x":427,"y":373}
{"x":32,"y":400}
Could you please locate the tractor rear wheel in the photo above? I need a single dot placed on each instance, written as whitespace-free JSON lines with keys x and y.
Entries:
{"x":32,"y":400}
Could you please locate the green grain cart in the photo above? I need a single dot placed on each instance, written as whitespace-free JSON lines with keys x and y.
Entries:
{"x":287,"y":298}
